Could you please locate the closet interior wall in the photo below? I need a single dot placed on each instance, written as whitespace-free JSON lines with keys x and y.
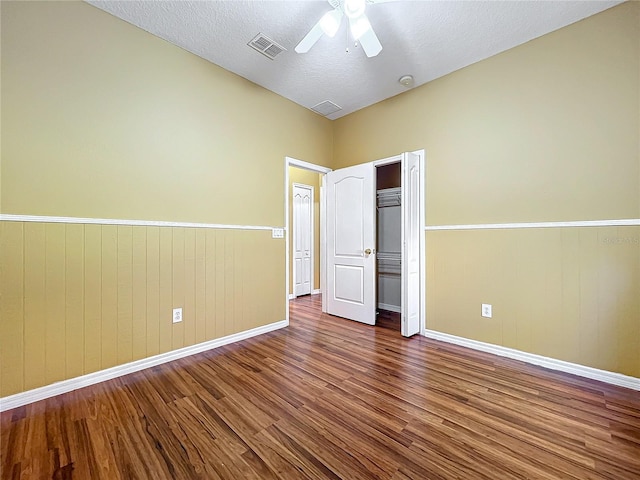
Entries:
{"x":388,"y":184}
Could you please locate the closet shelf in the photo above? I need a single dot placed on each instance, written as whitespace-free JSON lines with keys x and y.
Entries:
{"x":389,"y":256}
{"x":389,"y":197}
{"x":389,"y":262}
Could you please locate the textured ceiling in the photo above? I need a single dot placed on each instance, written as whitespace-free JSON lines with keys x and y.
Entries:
{"x":426,"y":39}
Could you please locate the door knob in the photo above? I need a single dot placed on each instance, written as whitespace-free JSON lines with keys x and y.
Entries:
{"x":367,"y":251}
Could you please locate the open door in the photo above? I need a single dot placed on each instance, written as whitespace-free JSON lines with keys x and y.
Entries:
{"x":411,"y":285}
{"x":351,"y":266}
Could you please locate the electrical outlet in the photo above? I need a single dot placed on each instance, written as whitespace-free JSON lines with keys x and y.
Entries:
{"x":177,"y":315}
{"x":486,"y":310}
{"x":277,"y":233}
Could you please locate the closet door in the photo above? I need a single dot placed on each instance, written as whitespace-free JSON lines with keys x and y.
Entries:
{"x":302,"y":238}
{"x":411,"y":284}
{"x":351,"y":243}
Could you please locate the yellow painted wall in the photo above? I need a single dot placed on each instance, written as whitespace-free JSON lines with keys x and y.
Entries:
{"x":101,"y":119}
{"x":306,"y":177}
{"x":547,"y":131}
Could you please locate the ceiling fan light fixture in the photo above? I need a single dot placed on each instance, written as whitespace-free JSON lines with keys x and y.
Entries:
{"x":359,"y":26}
{"x":330,"y":22}
{"x":354,"y":8}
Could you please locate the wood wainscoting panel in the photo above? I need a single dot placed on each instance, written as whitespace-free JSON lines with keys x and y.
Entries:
{"x":80,"y":298}
{"x":569,"y":293}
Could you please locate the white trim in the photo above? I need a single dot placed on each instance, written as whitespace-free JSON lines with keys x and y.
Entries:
{"x":629,"y":222}
{"x":423,"y":246}
{"x":389,"y":307}
{"x":388,"y":160}
{"x":30,"y":396}
{"x":307,"y":166}
{"x":292,"y":296}
{"x":551,"y":363}
{"x":323,"y":242}
{"x":135,"y":223}
{"x":287,"y":249}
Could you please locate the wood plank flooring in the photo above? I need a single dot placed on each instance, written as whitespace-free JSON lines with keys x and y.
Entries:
{"x":327,"y":398}
{"x":387,"y":319}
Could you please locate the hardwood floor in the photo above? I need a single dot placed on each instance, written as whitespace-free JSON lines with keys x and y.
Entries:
{"x":387,"y":319}
{"x":330,"y":398}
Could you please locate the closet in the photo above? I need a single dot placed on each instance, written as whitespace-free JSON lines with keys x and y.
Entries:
{"x":389,"y":224}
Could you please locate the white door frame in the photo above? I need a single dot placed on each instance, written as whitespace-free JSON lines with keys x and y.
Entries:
{"x":312,"y":246}
{"x":293,"y":162}
{"x":422,"y":217}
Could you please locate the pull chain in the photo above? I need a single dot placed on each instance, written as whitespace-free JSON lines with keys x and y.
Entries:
{"x":348,"y":41}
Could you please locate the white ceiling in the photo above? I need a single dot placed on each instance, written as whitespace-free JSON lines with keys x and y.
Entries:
{"x":426,"y":39}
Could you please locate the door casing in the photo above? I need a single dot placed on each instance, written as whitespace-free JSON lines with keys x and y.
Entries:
{"x":294,"y":162}
{"x":421,"y":227}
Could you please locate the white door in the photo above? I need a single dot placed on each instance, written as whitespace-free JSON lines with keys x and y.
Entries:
{"x":302,"y":239}
{"x":411,"y":202}
{"x":351,"y":265}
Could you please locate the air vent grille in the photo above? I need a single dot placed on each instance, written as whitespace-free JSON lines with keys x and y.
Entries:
{"x":266,"y":46}
{"x":326,"y":108}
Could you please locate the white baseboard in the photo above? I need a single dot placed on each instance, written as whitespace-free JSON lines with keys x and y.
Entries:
{"x":317,"y":291}
{"x":30,"y":396}
{"x":291,"y":296}
{"x":389,"y":307}
{"x":551,"y":363}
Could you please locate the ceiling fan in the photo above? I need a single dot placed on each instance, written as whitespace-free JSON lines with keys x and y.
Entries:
{"x":359,"y":26}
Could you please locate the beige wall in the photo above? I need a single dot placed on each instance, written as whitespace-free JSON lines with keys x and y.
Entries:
{"x":306,"y":177}
{"x":101,"y":119}
{"x":547,"y":131}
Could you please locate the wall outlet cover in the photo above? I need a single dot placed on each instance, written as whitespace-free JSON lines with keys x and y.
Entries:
{"x":487,"y":310}
{"x":177,"y":315}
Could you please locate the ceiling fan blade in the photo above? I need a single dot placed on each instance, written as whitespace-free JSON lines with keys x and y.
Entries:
{"x":328,"y":24}
{"x":363,"y":32}
{"x":310,"y":39}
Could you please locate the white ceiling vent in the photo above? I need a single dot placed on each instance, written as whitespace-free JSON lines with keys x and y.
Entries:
{"x":266,"y":46}
{"x":326,"y":108}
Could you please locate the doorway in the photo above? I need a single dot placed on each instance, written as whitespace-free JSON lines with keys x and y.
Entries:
{"x":299,"y":173}
{"x":389,"y":242}
{"x":357,"y":263}
{"x":352,"y":262}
